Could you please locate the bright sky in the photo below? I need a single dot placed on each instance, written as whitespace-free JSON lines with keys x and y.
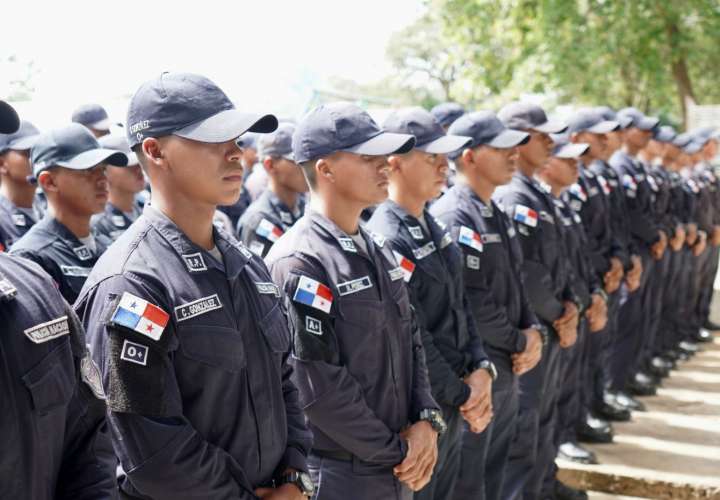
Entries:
{"x":267,"y":55}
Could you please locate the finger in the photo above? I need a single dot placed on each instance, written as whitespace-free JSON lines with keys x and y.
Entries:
{"x":409,"y":461}
{"x":262,"y":492}
{"x":471,"y":403}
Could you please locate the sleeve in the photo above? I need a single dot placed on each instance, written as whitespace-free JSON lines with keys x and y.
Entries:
{"x":299,"y":437}
{"x":163,"y":455}
{"x":247,"y":233}
{"x":421,"y":392}
{"x":330,"y":396}
{"x":641,"y":221}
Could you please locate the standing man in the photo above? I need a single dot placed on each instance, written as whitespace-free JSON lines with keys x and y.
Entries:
{"x":94,"y":117}
{"x":281,"y":204}
{"x":460,"y":372}
{"x":495,"y":291}
{"x":358,"y":357}
{"x":17,"y":193}
{"x":184,"y":321}
{"x":69,"y":165}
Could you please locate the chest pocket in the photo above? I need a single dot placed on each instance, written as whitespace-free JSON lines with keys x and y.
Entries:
{"x":216,"y":346}
{"x":51,"y":382}
{"x":276,"y":331}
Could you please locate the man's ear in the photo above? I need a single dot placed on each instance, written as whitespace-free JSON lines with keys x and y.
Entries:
{"x":3,"y":165}
{"x":324,"y":170}
{"x":268,"y":165}
{"x":467,"y":157}
{"x":47,"y":181}
{"x":152,"y":148}
{"x":394,"y":162}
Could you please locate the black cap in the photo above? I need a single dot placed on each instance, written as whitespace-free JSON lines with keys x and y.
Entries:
{"x":639,"y":120}
{"x":92,"y":116}
{"x":344,"y":127}
{"x":664,"y":134}
{"x":189,"y":106}
{"x":22,"y":140}
{"x":119,"y":143}
{"x":527,"y":116}
{"x":429,"y":134}
{"x":73,"y":147}
{"x":589,"y":120}
{"x":484,"y":128}
{"x":9,"y":121}
{"x":278,"y":143}
{"x":682,"y":140}
{"x":447,"y":112}
{"x":609,"y":114}
{"x":694,"y":146}
{"x":566,"y":149}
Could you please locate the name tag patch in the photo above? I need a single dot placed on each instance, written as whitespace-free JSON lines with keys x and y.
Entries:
{"x":195,"y":262}
{"x":19,"y":219}
{"x":396,"y":273}
{"x":197,"y":307}
{"x":491,"y":238}
{"x":347,"y":244}
{"x":354,"y":286}
{"x":473,"y":262}
{"x":83,"y":252}
{"x":118,"y":220}
{"x":48,"y":330}
{"x":416,"y":232}
{"x":313,"y":325}
{"x":424,"y":251}
{"x":134,"y":353}
{"x":75,"y":271}
{"x":268,"y":289}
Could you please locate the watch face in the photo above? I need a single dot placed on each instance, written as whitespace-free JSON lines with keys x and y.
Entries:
{"x":307,"y":483}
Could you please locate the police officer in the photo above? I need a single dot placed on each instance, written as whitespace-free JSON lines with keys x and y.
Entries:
{"x":460,"y":372}
{"x":185,"y":322}
{"x":94,"y":117}
{"x":55,"y":442}
{"x":281,"y":204}
{"x":357,"y":353}
{"x":69,"y":165}
{"x":124,"y":183}
{"x":17,"y":193}
{"x":548,"y":278}
{"x":491,"y":264}
{"x":248,"y":161}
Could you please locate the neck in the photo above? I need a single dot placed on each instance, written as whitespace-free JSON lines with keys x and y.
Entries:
{"x":525,"y":167}
{"x":77,"y":224}
{"x":124,"y":200}
{"x":411,"y":204}
{"x":480,"y":186}
{"x":555,"y":188}
{"x":192,"y":218}
{"x":284,"y":194}
{"x":345,"y":215}
{"x":20,"y":196}
{"x":630,"y":149}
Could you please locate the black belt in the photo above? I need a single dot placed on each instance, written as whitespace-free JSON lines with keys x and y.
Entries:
{"x":345,"y":456}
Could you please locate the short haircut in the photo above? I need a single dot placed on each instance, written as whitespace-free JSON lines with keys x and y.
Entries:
{"x":308,"y":168}
{"x":138,"y":150}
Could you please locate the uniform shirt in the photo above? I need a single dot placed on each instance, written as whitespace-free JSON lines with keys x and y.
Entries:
{"x":265,"y":220}
{"x":707,"y":183}
{"x":358,"y":357}
{"x":432,"y":265}
{"x":52,"y":423}
{"x":14,"y":222}
{"x":659,"y":180}
{"x":113,"y":221}
{"x":60,"y":253}
{"x":546,"y":268}
{"x":193,"y":355}
{"x":492,"y":267}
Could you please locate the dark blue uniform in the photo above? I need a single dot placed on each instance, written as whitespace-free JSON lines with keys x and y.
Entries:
{"x":357,"y":352}
{"x":193,"y":353}
{"x":496,"y":296}
{"x":60,"y":254}
{"x":265,"y":220}
{"x":113,"y":221}
{"x":433,"y":267}
{"x":14,"y":222}
{"x":55,"y":440}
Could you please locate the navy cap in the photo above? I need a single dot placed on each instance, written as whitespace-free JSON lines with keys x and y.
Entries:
{"x":119,"y":143}
{"x":589,"y":120}
{"x":278,"y":143}
{"x":608,"y":114}
{"x":484,"y":128}
{"x":344,"y":127}
{"x":694,"y":146}
{"x":22,"y":140}
{"x":248,"y":140}
{"x":664,"y":134}
{"x":565,"y":149}
{"x":639,"y":120}
{"x":447,"y":112}
{"x":682,"y":140}
{"x":528,"y":116}
{"x":92,"y":116}
{"x":705,"y":133}
{"x":9,"y":121}
{"x":429,"y":134}
{"x":189,"y":106}
{"x":74,"y":147}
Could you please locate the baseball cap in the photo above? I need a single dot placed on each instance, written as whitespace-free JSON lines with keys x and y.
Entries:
{"x":429,"y":134}
{"x":664,"y":134}
{"x":609,"y":114}
{"x":447,"y":112}
{"x":566,"y":149}
{"x":639,"y":120}
{"x":484,"y":128}
{"x":22,"y":140}
{"x":344,"y":127}
{"x":92,"y":116}
{"x":119,"y":143}
{"x":527,"y":116}
{"x":694,"y":146}
{"x":189,"y":106}
{"x":588,"y":120}
{"x":73,"y":147}
{"x":278,"y":143}
{"x":682,"y":140}
{"x":9,"y":121}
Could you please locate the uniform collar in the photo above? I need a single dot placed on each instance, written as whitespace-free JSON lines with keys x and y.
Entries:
{"x":287,"y":216}
{"x":344,"y":241}
{"x":14,"y":209}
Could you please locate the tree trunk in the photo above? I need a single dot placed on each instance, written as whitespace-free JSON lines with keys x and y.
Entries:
{"x":684,"y":87}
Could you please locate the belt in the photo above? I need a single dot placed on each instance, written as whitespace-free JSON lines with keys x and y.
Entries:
{"x":345,"y":456}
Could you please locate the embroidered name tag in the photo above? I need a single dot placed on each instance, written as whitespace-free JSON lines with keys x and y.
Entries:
{"x":354,"y":286}
{"x":197,"y":307}
{"x":75,"y":271}
{"x":424,"y":251}
{"x":396,"y":273}
{"x":491,"y":238}
{"x":347,"y":244}
{"x":83,"y":252}
{"x":416,"y":232}
{"x":48,"y":330}
{"x":135,"y":353}
{"x":268,"y":289}
{"x":195,"y":262}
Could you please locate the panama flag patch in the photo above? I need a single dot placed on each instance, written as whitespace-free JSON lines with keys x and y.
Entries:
{"x":141,"y":316}
{"x":268,"y":230}
{"x":406,"y":265}
{"x":526,"y":215}
{"x":314,"y":294}
{"x":579,"y":192}
{"x":470,"y":238}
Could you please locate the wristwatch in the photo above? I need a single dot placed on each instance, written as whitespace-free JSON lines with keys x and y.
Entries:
{"x":488,"y":366}
{"x":543,"y":332}
{"x":300,"y":479}
{"x":434,"y":418}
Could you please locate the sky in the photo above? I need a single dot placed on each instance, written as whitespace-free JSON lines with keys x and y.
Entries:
{"x":267,"y":55}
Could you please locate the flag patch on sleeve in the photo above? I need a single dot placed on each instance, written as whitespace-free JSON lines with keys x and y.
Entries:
{"x":406,"y":265}
{"x":314,"y":294}
{"x":526,"y":215}
{"x":268,"y":230}
{"x":468,"y":237}
{"x":140,"y":316}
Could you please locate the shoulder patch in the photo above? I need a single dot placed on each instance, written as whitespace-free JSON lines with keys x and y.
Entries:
{"x":441,"y":224}
{"x":19,"y":220}
{"x":118,"y":220}
{"x":416,"y":232}
{"x":313,"y":325}
{"x":91,"y":376}
{"x":486,"y":211}
{"x":197,"y":307}
{"x":604,"y":184}
{"x":578,"y":191}
{"x":354,"y":286}
{"x":140,"y":316}
{"x":473,"y":262}
{"x":75,"y":270}
{"x":405,"y":265}
{"x":48,"y":330}
{"x":347,"y":244}
{"x":576,"y":205}
{"x":7,"y":289}
{"x":268,"y":230}
{"x":424,"y":251}
{"x":267,"y":288}
{"x":82,"y":252}
{"x":470,"y":238}
{"x":195,"y":262}
{"x":134,"y":353}
{"x":526,"y":215}
{"x":314,"y":294}
{"x":445,"y":240}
